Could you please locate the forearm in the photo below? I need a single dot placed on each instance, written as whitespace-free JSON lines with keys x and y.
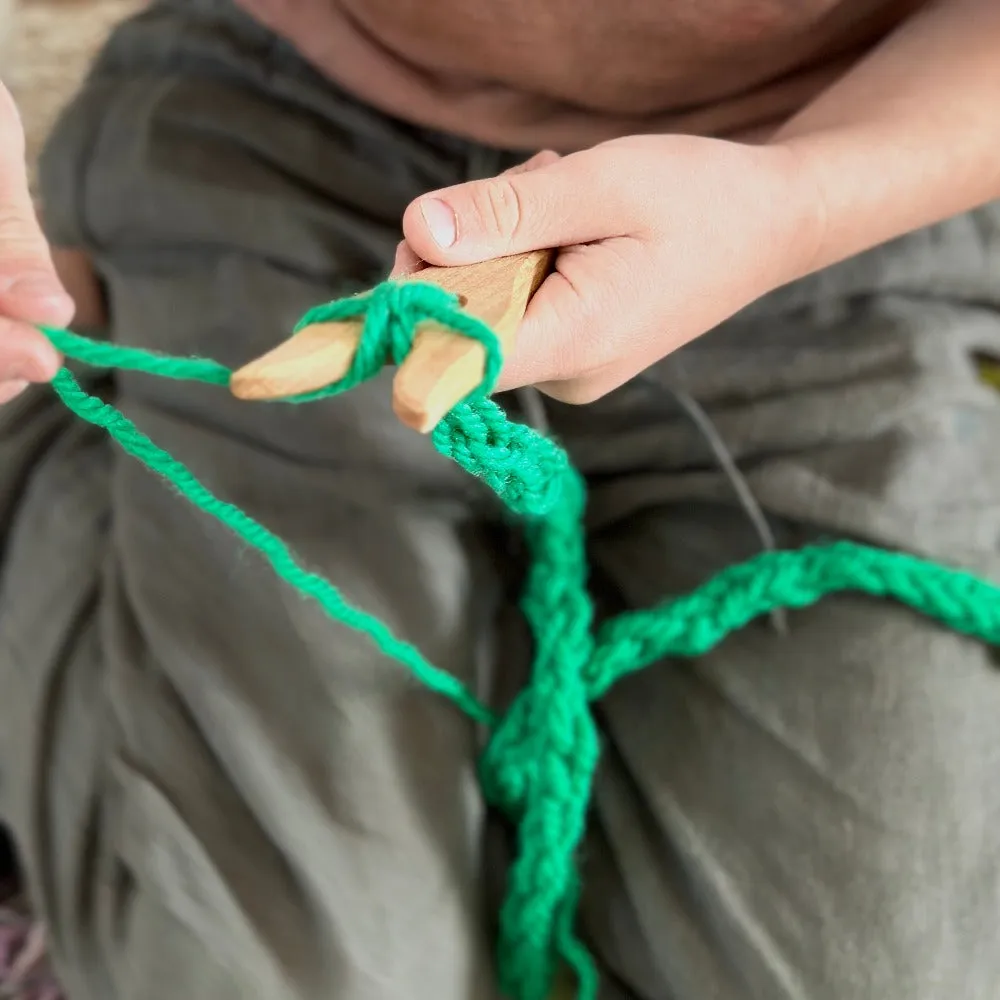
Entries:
{"x":911,"y":136}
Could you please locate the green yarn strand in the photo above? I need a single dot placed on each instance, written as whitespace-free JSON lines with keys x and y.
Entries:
{"x":393,"y":313}
{"x":102,"y":354}
{"x":539,"y":764}
{"x":274,"y":550}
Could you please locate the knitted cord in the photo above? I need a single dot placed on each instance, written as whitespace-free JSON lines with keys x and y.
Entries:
{"x":539,"y":763}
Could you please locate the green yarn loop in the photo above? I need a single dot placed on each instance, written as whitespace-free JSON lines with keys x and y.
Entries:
{"x":393,"y":312}
{"x":540,"y":761}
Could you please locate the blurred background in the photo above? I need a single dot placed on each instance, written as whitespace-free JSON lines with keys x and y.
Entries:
{"x":45,"y":47}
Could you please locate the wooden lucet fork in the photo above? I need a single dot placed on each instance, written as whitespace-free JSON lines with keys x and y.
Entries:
{"x":441,"y":369}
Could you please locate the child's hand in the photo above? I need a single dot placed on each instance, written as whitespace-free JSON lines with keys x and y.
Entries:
{"x":30,"y":292}
{"x":663,"y":237}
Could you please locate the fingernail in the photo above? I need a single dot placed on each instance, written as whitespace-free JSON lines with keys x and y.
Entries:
{"x":440,"y":221}
{"x":9,"y":390}
{"x":39,"y":288}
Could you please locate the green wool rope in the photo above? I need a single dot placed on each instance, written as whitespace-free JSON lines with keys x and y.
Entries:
{"x":539,"y":764}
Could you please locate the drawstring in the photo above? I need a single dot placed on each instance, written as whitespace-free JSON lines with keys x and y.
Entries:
{"x":741,"y":488}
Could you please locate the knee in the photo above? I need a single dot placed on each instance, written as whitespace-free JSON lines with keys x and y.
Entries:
{"x":827,"y":799}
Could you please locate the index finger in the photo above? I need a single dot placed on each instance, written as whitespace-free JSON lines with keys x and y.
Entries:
{"x":29,"y":287}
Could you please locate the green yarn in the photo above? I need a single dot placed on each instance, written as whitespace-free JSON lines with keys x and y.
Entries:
{"x":265,"y":542}
{"x":395,"y":310}
{"x":539,"y":764}
{"x":104,"y":355}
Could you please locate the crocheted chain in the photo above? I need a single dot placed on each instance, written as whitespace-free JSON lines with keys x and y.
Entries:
{"x":538,"y":766}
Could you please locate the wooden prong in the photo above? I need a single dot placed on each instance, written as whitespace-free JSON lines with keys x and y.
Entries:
{"x":309,"y":360}
{"x":444,"y":367}
{"x":440,"y":370}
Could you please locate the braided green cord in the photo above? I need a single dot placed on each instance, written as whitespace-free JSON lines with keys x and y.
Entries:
{"x":539,"y":764}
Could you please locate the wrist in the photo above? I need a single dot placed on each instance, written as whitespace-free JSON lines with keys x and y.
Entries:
{"x":802,"y":222}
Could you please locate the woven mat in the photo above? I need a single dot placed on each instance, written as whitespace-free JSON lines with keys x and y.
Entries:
{"x":45,"y":48}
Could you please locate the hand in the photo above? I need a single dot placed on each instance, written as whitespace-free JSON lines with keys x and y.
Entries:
{"x":30,"y":292}
{"x":661,"y":237}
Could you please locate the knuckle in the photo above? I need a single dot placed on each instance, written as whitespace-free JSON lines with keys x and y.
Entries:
{"x":498,"y":209}
{"x":20,"y":241}
{"x":585,"y":394}
{"x":21,"y":237}
{"x":543,"y":159}
{"x":579,"y":392}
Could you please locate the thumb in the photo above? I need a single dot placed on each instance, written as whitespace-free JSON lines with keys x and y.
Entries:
{"x":29,"y":288}
{"x":559,"y":203}
{"x":408,"y":261}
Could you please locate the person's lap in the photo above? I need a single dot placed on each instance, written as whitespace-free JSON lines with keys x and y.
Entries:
{"x":217,"y":791}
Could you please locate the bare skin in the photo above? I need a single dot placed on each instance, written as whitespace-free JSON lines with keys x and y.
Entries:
{"x":30,"y":291}
{"x":665,"y":236}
